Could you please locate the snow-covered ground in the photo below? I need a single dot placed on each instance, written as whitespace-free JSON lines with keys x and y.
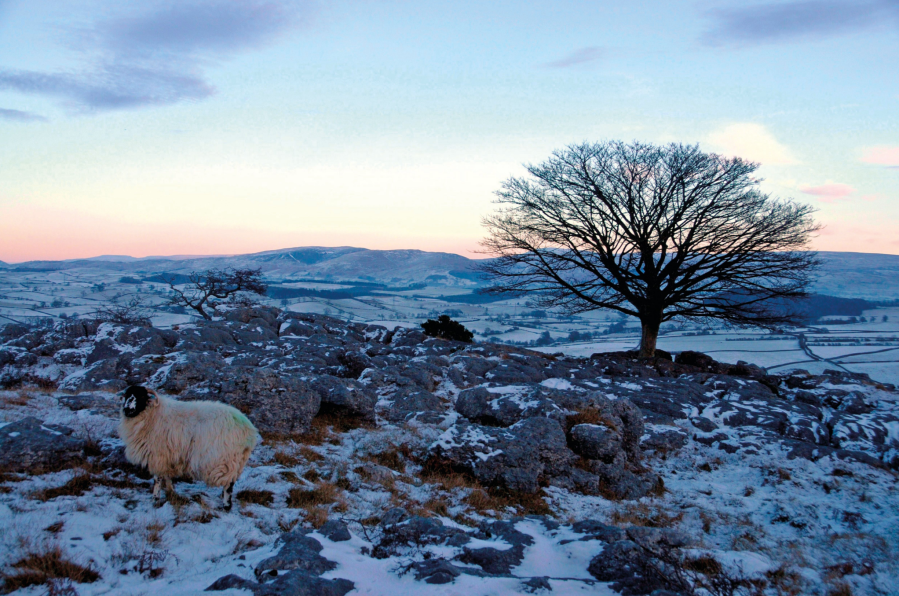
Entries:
{"x":806,"y":527}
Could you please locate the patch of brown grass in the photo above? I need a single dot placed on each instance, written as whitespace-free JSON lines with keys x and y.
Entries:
{"x":394,"y":458}
{"x":77,"y":486}
{"x":705,"y":564}
{"x":789,"y":582}
{"x":19,"y":399}
{"x":644,"y":514}
{"x":841,"y":589}
{"x":54,"y":528}
{"x":110,"y":533}
{"x":329,"y":420}
{"x":310,"y":454}
{"x":589,"y":415}
{"x":286,"y":460}
{"x":522,"y":503}
{"x":259,"y":497}
{"x":324,"y":493}
{"x":317,"y":516}
{"x":289,"y":476}
{"x":38,"y":568}
{"x":312,"y":475}
{"x":84,"y":482}
{"x":445,"y":477}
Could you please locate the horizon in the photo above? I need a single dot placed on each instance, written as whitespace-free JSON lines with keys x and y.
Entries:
{"x":213,"y":127}
{"x":110,"y":257}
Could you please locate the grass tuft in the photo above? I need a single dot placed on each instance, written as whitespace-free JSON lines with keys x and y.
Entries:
{"x":259,"y":497}
{"x":324,"y":493}
{"x":40,"y":567}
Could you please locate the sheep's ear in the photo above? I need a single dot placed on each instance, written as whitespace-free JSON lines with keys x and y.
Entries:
{"x":154,"y":398}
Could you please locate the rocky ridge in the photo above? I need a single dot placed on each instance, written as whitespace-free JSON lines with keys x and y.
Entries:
{"x":510,"y":419}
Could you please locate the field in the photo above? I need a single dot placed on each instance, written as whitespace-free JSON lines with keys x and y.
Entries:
{"x":869,"y":346}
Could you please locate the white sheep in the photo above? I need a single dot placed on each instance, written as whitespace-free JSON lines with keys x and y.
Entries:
{"x":204,"y":440}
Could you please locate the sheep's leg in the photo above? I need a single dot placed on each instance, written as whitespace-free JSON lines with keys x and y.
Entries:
{"x":227,"y":495}
{"x":158,"y":499}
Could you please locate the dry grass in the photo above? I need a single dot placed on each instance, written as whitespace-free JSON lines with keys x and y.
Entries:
{"x":286,"y":460}
{"x":14,"y":400}
{"x":324,"y":493}
{"x":290,"y":477}
{"x":841,"y":589}
{"x":317,"y":516}
{"x":444,"y":477}
{"x":41,"y":567}
{"x":81,"y":483}
{"x":395,"y":457}
{"x":310,"y":454}
{"x":55,"y":527}
{"x":312,"y":475}
{"x":329,"y":420}
{"x":589,"y":415}
{"x":483,"y":499}
{"x":155,"y":532}
{"x":644,"y":514}
{"x":259,"y":497}
{"x":77,"y":486}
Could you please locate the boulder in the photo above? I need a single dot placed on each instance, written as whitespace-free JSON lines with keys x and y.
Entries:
{"x":298,"y":551}
{"x":595,"y":441}
{"x":30,"y":446}
{"x":409,"y":404}
{"x":517,"y":458}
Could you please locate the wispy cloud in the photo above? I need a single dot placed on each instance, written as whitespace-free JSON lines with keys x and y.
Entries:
{"x":829,"y":193}
{"x":785,"y":21}
{"x":581,"y":56}
{"x":882,"y":156}
{"x":157,"y":56}
{"x":110,"y":87}
{"x":20,"y":116}
{"x":750,"y":141}
{"x":199,"y":27}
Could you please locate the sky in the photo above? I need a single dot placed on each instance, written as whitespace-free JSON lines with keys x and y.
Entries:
{"x":226,"y":127}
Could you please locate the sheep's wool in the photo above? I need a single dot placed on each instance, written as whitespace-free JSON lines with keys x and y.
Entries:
{"x":204,"y":440}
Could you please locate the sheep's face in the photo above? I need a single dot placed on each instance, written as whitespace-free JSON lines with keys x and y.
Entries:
{"x":136,"y":400}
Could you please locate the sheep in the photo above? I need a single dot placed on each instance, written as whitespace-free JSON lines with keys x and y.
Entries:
{"x":204,"y":440}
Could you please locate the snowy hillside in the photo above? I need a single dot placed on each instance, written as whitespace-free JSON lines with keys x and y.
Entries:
{"x":395,"y":463}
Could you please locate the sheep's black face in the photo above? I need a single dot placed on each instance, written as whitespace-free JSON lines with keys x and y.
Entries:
{"x":136,"y":400}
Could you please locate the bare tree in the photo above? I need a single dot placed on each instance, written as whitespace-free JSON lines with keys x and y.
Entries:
{"x":126,"y":311}
{"x":203,"y":286}
{"x":651,"y":232}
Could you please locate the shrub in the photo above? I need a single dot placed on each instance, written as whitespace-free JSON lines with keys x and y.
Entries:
{"x":446,"y":328}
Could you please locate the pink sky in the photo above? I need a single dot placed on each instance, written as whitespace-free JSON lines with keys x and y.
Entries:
{"x":56,"y":236}
{"x":48,"y":235}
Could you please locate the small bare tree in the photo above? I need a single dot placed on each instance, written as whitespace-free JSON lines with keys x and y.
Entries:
{"x":126,"y":311}
{"x":651,"y":232}
{"x":203,"y":286}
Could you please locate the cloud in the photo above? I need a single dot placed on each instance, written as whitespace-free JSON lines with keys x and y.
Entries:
{"x":20,"y":116}
{"x":581,"y":56}
{"x":785,"y":21}
{"x":882,"y":156}
{"x":752,"y":142}
{"x":829,"y":193}
{"x":220,"y":26}
{"x":157,"y":56}
{"x":109,"y":88}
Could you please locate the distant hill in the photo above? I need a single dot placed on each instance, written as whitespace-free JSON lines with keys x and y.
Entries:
{"x":390,"y":267}
{"x":858,"y":275}
{"x":843,"y":274}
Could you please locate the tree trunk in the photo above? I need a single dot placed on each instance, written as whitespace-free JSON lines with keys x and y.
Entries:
{"x":649,"y":337}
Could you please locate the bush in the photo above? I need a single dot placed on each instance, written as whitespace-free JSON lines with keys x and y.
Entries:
{"x":446,"y":328}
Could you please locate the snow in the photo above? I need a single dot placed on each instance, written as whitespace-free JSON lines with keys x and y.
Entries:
{"x":557,"y":384}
